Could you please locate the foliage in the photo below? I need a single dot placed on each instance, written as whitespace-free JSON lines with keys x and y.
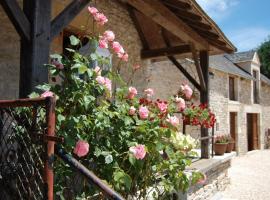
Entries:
{"x":131,"y":143}
{"x":264,"y":55}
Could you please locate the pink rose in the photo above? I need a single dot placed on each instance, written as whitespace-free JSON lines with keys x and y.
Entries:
{"x":149,"y":92}
{"x":103,"y":44}
{"x":97,"y":70}
{"x":180,"y":103}
{"x":100,"y":80}
{"x":81,"y":149}
{"x":116,"y":46}
{"x":100,"y":18}
{"x":108,"y":84}
{"x":143,"y":112}
{"x":138,"y":151}
{"x":132,"y":110}
{"x":136,"y":67}
{"x":58,"y":64}
{"x":174,"y":121}
{"x":162,"y":106}
{"x":109,"y":36}
{"x":132,"y":92}
{"x":202,"y":180}
{"x":92,"y":10}
{"x":47,"y":94}
{"x":186,"y":90}
{"x":123,"y":56}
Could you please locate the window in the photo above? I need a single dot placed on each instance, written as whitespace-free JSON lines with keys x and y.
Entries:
{"x":255,"y":87}
{"x":232,"y":89}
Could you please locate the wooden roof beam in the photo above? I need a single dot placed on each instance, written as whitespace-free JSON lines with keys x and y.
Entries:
{"x":169,"y":51}
{"x":160,"y":14}
{"x":177,"y":4}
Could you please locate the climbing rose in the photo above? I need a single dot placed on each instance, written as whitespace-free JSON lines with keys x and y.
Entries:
{"x":202,"y":180}
{"x":98,"y":70}
{"x":47,"y":94}
{"x":132,"y":110}
{"x":162,"y":106}
{"x":81,"y":149}
{"x":143,"y":112}
{"x":103,"y":44}
{"x":123,"y":56}
{"x":58,"y":64}
{"x":92,"y":10}
{"x":100,"y":18}
{"x":108,"y":84}
{"x":173,"y":120}
{"x":136,"y":66}
{"x":186,"y":90}
{"x":132,"y":92}
{"x":138,"y":151}
{"x":109,"y":36}
{"x":100,"y":80}
{"x":149,"y":92}
{"x":118,"y":49}
{"x":180,"y":103}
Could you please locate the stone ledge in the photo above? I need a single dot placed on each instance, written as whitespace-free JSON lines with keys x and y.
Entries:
{"x":205,"y":165}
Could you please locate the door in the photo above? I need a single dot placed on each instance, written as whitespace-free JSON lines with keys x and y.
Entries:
{"x":252,"y":131}
{"x":233,"y":127}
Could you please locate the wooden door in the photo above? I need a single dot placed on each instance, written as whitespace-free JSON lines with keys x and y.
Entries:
{"x":233,"y":126}
{"x":252,"y":131}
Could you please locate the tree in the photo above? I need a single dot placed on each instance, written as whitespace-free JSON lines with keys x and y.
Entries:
{"x":264,"y":54}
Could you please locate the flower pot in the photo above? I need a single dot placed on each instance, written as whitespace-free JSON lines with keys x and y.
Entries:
{"x":220,"y":148}
{"x":229,"y":147}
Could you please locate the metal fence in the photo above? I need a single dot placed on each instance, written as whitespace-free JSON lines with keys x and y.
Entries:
{"x":26,"y":148}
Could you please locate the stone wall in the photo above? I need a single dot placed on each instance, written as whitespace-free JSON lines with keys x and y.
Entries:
{"x":265,"y":101}
{"x":9,"y":59}
{"x":217,"y":180}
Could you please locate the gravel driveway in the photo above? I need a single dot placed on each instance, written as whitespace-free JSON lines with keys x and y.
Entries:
{"x":250,"y":177}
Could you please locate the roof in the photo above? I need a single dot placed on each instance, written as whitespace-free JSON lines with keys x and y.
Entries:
{"x":222,"y":63}
{"x":265,"y":79}
{"x":181,"y":22}
{"x":241,"y":56}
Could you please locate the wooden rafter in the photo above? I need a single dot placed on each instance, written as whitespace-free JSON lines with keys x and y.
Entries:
{"x":138,"y":27}
{"x":168,"y":51}
{"x":188,"y":15}
{"x":198,"y":67}
{"x":66,"y":16}
{"x":177,"y":4}
{"x":17,"y":17}
{"x":160,"y":14}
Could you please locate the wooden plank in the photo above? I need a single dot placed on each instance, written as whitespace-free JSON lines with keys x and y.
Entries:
{"x":35,"y":54}
{"x":198,"y":67}
{"x":169,"y":51}
{"x":177,"y":4}
{"x":185,"y":72}
{"x":160,"y":14}
{"x":17,"y":17}
{"x":66,"y":16}
{"x":187,"y":15}
{"x":204,"y":98}
{"x":138,"y":27}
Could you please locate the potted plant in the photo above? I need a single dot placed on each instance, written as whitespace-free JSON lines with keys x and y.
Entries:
{"x":220,"y":144}
{"x":230,"y":144}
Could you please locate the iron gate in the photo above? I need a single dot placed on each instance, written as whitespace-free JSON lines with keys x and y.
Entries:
{"x":26,"y":149}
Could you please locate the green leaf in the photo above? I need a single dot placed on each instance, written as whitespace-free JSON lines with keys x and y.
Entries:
{"x":33,"y":95}
{"x":44,"y":87}
{"x":82,"y":69}
{"x":56,"y":56}
{"x":74,"y":40}
{"x":108,"y":159}
{"x":70,"y":50}
{"x":132,"y":159}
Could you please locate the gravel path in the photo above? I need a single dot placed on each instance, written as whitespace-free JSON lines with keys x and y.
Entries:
{"x":250,"y":177}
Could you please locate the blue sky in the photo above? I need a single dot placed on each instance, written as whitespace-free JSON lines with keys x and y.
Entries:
{"x":245,"y":22}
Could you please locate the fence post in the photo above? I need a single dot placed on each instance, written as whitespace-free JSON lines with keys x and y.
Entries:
{"x":50,"y":110}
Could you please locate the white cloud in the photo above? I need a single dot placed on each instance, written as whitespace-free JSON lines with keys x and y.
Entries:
{"x":248,"y":38}
{"x":217,"y":9}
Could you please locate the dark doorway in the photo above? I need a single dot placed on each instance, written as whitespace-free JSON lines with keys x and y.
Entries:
{"x":252,"y":131}
{"x":233,"y":127}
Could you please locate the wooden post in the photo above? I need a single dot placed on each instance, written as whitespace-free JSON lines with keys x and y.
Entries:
{"x":204,"y":97}
{"x":35,"y":52}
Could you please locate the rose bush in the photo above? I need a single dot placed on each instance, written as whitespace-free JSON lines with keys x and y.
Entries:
{"x":122,"y":138}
